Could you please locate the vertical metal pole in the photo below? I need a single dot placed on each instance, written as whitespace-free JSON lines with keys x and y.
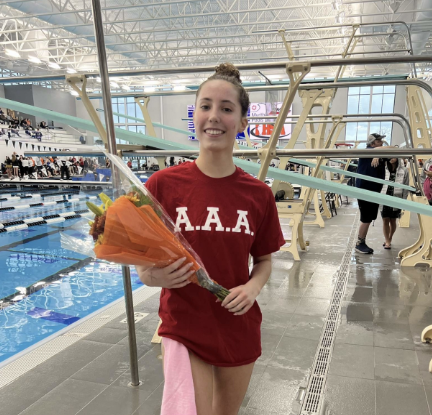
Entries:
{"x":112,"y":148}
{"x":411,"y":50}
{"x":130,"y":315}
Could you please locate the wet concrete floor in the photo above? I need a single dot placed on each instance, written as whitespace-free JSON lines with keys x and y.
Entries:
{"x":378,"y":367}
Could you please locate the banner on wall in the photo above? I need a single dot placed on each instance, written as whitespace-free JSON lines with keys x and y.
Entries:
{"x":20,"y":144}
{"x":264,"y":131}
{"x":191,"y":125}
{"x":256,"y":131}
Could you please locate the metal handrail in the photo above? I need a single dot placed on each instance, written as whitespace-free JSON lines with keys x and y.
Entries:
{"x":372,"y":52}
{"x":299,"y":153}
{"x":386,"y":152}
{"x":408,"y":44}
{"x":283,"y":87}
{"x":358,"y":118}
{"x":241,"y":67}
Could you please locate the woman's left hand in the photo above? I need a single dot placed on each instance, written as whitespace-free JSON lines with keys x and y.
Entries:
{"x":240,"y":299}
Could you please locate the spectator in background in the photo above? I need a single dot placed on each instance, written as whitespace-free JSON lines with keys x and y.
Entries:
{"x":14,"y":123}
{"x":23,"y":124}
{"x":427,"y":179}
{"x":3,"y":118}
{"x":29,"y":124}
{"x":9,"y":167}
{"x":64,"y":169}
{"x":398,"y":173}
{"x":21,"y":165}
{"x":13,"y":131}
{"x":129,"y":164}
{"x":49,"y":168}
{"x":37,"y":134}
{"x":26,"y":165}
{"x":86,"y":165}
{"x":43,"y":124}
{"x":15,"y":164}
{"x":368,"y":210}
{"x":38,"y":165}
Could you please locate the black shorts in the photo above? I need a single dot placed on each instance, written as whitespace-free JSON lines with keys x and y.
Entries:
{"x":368,"y":211}
{"x":389,"y":212}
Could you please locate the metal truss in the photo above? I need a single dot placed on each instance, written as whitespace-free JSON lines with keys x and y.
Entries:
{"x":173,"y":33}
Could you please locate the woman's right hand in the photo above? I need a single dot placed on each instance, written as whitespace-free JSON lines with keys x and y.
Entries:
{"x":172,"y":276}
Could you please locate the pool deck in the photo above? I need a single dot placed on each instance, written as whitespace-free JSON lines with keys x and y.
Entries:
{"x":378,"y":367}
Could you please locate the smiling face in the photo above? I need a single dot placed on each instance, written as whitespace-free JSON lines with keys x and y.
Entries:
{"x":217,"y":116}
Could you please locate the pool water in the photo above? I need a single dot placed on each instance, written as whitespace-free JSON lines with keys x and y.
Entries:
{"x":45,"y":287}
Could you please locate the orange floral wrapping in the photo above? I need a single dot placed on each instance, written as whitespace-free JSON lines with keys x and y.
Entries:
{"x":137,"y":236}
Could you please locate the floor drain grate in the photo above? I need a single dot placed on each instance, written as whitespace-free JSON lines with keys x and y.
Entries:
{"x":316,"y":385}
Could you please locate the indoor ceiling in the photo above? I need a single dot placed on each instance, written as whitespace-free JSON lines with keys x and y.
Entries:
{"x":54,"y":37}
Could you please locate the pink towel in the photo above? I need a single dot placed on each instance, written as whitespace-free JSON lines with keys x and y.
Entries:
{"x":179,"y":393}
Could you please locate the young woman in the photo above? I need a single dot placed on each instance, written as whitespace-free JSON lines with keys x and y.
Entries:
{"x":226,"y":215}
{"x":398,"y":173}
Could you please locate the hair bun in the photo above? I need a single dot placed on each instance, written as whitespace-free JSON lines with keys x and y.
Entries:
{"x":228,"y":69}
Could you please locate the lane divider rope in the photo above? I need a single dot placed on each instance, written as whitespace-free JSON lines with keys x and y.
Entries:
{"x":10,"y":198}
{"x":50,"y":203}
{"x":42,"y":220}
{"x":33,"y":214}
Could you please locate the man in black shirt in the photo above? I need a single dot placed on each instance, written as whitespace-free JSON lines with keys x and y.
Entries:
{"x":368,"y":210}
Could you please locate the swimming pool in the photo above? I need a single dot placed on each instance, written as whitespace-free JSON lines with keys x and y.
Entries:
{"x":43,"y":287}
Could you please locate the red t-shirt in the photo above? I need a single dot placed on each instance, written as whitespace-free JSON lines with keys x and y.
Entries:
{"x":224,"y":220}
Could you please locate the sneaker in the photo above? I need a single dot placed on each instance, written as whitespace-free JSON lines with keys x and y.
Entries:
{"x":362,"y":248}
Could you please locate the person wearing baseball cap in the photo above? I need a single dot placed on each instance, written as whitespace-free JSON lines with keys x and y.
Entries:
{"x":374,"y":137}
{"x":373,"y":167}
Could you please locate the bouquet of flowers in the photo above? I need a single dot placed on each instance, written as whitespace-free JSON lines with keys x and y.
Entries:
{"x":135,"y":230}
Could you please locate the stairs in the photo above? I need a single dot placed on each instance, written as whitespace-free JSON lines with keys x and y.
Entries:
{"x":60,"y":137}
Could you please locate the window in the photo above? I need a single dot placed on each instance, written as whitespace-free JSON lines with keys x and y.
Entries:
{"x":127,"y":106}
{"x":370,"y":100}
